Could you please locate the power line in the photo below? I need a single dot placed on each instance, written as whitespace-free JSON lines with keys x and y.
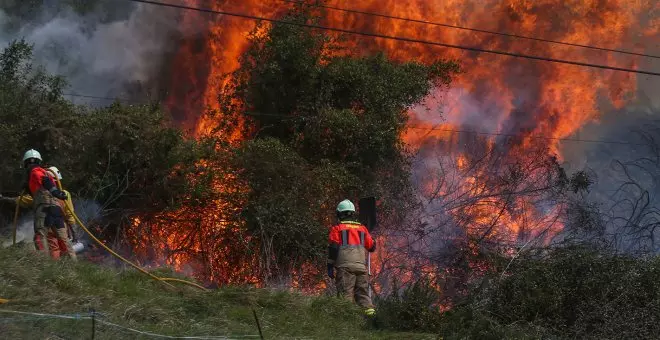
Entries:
{"x":103,"y":98}
{"x":86,"y":96}
{"x":387,"y":16}
{"x":390,"y":37}
{"x":418,"y":127}
{"x":92,"y":97}
{"x":497,"y":134}
{"x":530,"y":136}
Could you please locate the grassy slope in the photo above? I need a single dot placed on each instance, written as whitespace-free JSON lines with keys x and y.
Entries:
{"x":33,"y":283}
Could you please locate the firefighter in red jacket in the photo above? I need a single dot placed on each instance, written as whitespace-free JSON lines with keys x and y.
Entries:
{"x":44,"y":192}
{"x":347,"y":257}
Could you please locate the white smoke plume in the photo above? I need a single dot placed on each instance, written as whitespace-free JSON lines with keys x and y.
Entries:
{"x":24,"y":232}
{"x":98,"y":57}
{"x":86,"y":210}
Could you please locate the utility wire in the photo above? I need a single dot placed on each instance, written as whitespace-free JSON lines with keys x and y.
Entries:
{"x":418,"y":127}
{"x":426,"y":128}
{"x":93,"y":97}
{"x":387,"y":16}
{"x":514,"y":135}
{"x":391,"y":37}
{"x":99,"y":97}
{"x":436,"y":128}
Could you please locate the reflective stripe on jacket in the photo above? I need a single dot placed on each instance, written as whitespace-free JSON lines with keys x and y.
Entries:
{"x":348,"y":242}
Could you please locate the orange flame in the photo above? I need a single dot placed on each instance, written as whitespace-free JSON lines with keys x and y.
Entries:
{"x":496,"y":94}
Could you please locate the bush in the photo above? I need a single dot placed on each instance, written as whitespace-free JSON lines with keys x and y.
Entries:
{"x":571,"y":292}
{"x":413,"y":308}
{"x":127,"y":158}
{"x":467,"y":323}
{"x":322,"y":126}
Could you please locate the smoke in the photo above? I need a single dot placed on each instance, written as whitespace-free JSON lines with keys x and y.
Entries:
{"x":86,"y":210}
{"x":24,"y":231}
{"x":98,"y":56}
{"x":627,"y":174}
{"x":543,"y":99}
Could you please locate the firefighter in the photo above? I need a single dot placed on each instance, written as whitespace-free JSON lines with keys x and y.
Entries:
{"x":347,"y":257}
{"x":59,"y":239}
{"x":57,"y":243}
{"x":45,"y":194}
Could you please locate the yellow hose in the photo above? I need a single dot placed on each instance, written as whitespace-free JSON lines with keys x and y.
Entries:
{"x":112,"y":252}
{"x":183,"y":281}
{"x":3,"y":301}
{"x":82,"y":225}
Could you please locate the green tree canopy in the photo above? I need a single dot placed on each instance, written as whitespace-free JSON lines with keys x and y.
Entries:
{"x":123,"y":157}
{"x":323,"y":125}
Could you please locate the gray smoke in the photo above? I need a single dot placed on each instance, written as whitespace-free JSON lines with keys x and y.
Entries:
{"x":86,"y":210}
{"x":629,"y":212}
{"x":24,"y":232}
{"x":98,"y":56}
{"x":627,"y":183}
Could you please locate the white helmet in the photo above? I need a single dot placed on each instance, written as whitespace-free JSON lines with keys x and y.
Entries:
{"x":32,"y":154}
{"x":345,"y":205}
{"x":57,"y":172}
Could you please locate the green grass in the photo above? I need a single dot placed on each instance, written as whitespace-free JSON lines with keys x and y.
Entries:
{"x":36,"y":284}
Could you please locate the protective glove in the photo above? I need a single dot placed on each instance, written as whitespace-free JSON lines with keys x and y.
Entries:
{"x":72,"y":234}
{"x":59,"y":194}
{"x":331,"y":271}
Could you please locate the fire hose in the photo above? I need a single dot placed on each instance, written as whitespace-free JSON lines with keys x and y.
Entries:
{"x":164,"y":280}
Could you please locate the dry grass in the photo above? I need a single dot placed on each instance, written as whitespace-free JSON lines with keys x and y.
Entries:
{"x":36,"y":284}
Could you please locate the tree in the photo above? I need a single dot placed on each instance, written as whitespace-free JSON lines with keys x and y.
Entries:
{"x":323,"y":125}
{"x":29,"y":97}
{"x":127,"y":158}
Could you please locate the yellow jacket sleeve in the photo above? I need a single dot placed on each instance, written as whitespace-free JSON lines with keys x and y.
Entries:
{"x":69,"y":202}
{"x":68,"y":211}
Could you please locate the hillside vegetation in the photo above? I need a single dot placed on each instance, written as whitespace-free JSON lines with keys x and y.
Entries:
{"x":563,"y":294}
{"x":130,"y":299}
{"x":319,"y":123}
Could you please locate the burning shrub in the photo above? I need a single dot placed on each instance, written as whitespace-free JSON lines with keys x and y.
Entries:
{"x":131,"y":157}
{"x":324,"y":126}
{"x":287,"y":204}
{"x":321,"y":126}
{"x":127,"y":158}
